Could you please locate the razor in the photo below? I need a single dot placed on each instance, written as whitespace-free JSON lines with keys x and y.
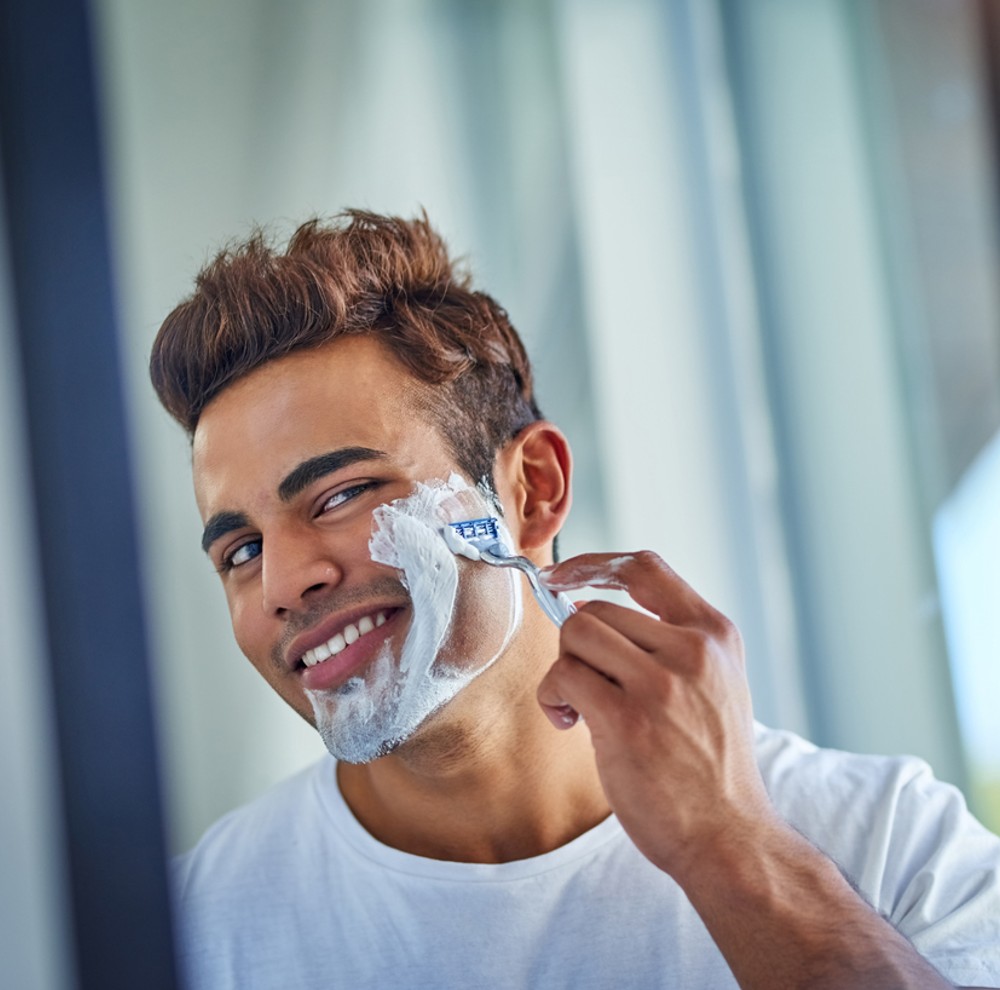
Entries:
{"x":480,"y":539}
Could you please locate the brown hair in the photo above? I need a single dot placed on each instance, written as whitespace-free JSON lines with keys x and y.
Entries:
{"x":360,"y":273}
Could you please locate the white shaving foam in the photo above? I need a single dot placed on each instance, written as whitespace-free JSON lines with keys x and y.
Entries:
{"x":611,"y":578}
{"x":459,"y":544}
{"x":606,"y":577}
{"x":371,"y":714}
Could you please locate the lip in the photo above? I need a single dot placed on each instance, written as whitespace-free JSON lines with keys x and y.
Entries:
{"x":337,"y":669}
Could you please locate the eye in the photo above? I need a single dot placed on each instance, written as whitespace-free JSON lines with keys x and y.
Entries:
{"x":240,"y":555}
{"x":346,"y":495}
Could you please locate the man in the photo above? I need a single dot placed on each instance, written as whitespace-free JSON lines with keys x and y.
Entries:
{"x":346,"y":400}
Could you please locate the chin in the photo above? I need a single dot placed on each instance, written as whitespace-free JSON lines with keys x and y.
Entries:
{"x":362,"y":757}
{"x":437,"y":737}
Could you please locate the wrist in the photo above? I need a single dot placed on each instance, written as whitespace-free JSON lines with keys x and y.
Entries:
{"x":760,"y":863}
{"x":731,"y":850}
{"x":783,"y":914}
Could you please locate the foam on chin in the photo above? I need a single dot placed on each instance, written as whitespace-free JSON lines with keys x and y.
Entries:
{"x":371,"y":714}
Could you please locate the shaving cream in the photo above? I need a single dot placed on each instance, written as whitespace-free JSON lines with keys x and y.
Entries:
{"x":463,"y":617}
{"x":603,"y":577}
{"x":459,"y":544}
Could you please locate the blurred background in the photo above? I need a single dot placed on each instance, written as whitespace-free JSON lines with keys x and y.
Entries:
{"x":752,"y":246}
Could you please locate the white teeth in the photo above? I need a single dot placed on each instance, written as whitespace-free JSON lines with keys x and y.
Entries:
{"x":350,"y":634}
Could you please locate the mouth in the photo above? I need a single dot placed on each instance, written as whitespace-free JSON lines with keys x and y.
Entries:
{"x":346,"y":647}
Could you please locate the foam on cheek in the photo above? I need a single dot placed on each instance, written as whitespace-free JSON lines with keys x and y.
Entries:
{"x":372,"y":713}
{"x":460,"y":545}
{"x":407,"y":538}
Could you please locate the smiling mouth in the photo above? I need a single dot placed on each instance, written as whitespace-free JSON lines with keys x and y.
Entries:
{"x":347,"y":636}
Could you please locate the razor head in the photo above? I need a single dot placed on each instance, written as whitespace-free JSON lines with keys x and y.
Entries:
{"x":477,"y":529}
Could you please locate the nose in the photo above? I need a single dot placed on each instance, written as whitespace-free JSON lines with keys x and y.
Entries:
{"x":296,"y":568}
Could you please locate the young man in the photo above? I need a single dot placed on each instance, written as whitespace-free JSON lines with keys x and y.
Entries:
{"x":346,"y":400}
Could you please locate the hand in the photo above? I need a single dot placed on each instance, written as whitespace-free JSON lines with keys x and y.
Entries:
{"x":668,"y":708}
{"x":667,"y":704}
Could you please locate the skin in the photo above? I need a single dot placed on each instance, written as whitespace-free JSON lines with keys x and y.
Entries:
{"x":667,"y":742}
{"x":462,"y":791}
{"x":667,"y":705}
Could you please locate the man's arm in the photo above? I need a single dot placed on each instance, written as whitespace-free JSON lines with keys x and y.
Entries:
{"x":667,"y":704}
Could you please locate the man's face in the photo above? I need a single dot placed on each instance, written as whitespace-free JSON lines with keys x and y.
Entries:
{"x":294,"y":466}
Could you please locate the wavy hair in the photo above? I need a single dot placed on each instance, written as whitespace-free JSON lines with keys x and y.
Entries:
{"x":359,"y":273}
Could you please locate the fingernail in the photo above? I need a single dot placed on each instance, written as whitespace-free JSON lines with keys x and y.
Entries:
{"x":567,"y":715}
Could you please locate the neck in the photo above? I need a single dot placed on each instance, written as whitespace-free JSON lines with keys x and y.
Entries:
{"x":482,"y":783}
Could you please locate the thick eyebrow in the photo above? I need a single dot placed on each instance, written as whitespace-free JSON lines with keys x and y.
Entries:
{"x":315,"y":468}
{"x":297,"y":480}
{"x":220,"y":524}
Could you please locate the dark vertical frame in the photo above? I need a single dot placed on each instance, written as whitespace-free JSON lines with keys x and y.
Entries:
{"x":80,"y":481}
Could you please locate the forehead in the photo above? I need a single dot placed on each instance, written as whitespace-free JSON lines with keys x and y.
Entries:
{"x":349,"y":393}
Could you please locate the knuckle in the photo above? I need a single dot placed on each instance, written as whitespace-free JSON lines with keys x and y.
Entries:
{"x":649,"y":560}
{"x":721,"y":627}
{"x":726,"y":635}
{"x":700,"y":649}
{"x":562,"y":670}
{"x":731,"y":635}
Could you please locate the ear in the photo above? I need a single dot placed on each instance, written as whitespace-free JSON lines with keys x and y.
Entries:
{"x":533,"y":473}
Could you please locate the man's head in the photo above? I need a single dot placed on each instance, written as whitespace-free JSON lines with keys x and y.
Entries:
{"x":331,"y":443}
{"x":362,"y":274}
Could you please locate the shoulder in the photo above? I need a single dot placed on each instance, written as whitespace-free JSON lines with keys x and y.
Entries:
{"x":803,"y":778}
{"x":830,"y":793}
{"x":244,"y":892}
{"x":903,"y":837}
{"x":257,"y":837}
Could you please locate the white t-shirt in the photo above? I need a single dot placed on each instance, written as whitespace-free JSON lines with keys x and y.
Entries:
{"x":291,"y":893}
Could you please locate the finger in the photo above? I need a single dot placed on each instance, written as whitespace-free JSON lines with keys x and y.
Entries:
{"x":643,"y":631}
{"x":571,"y":682}
{"x":601,"y":645}
{"x":586,"y":570}
{"x":561,"y":716}
{"x":598,"y":639}
{"x":649,"y":581}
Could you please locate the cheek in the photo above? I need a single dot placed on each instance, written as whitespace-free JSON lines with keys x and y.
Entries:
{"x":485,"y":611}
{"x":255,"y":638}
{"x":249,"y":631}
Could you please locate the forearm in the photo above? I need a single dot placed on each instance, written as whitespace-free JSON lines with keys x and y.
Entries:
{"x":783,"y":916}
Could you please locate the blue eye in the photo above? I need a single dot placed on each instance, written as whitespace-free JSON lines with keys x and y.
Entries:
{"x":243,"y":554}
{"x":346,"y":495}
